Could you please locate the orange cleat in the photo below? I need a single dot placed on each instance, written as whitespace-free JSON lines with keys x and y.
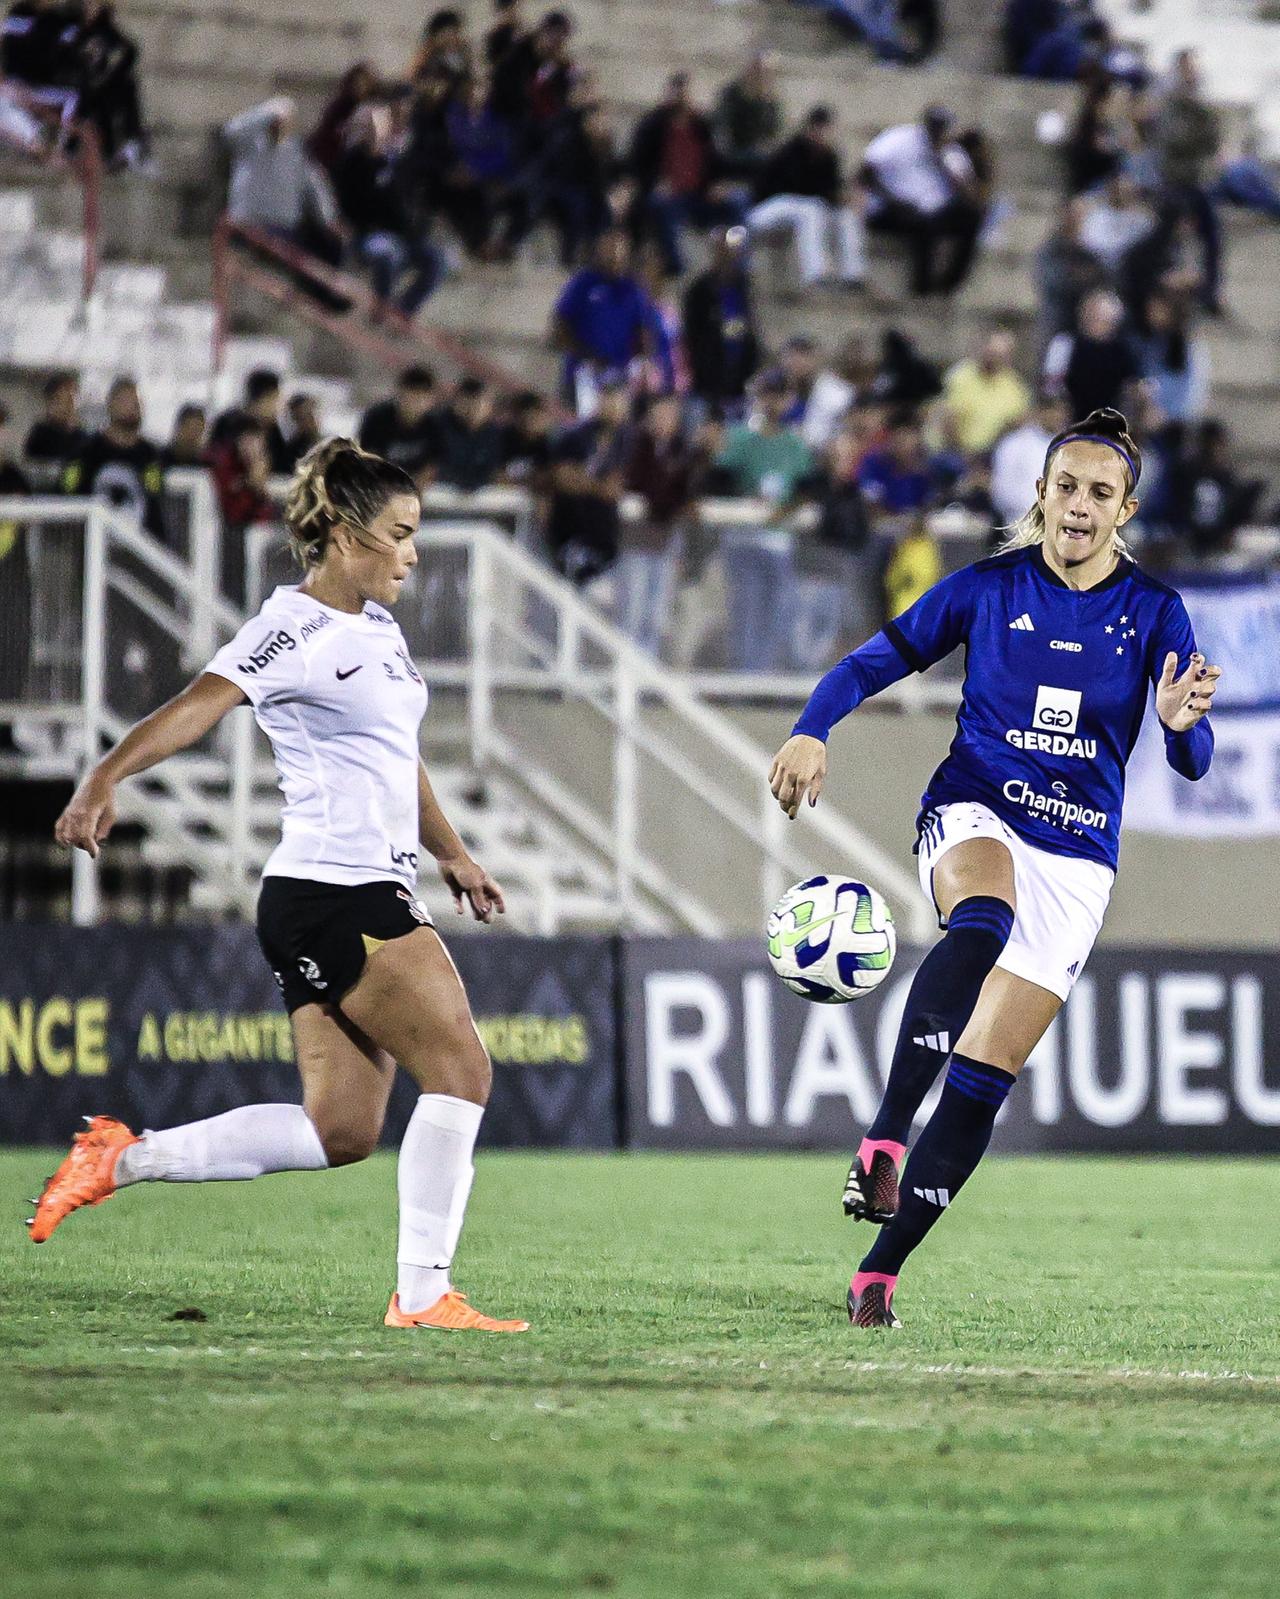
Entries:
{"x":450,"y":1313}
{"x":85,"y":1177}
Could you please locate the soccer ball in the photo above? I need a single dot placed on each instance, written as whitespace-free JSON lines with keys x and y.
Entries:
{"x":831,"y":939}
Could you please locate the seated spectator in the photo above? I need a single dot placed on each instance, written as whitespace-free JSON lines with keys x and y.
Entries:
{"x":470,"y":442}
{"x":1066,"y":269}
{"x":572,"y":177}
{"x":38,"y":53}
{"x":921,"y":185}
{"x":899,"y":479}
{"x":276,"y":186}
{"x":1096,"y":365}
{"x":303,"y":432}
{"x":837,"y":606}
{"x":748,"y":117}
{"x":1061,"y":55}
{"x":403,"y":263}
{"x":107,"y":60}
{"x":1208,"y":500}
{"x":878,"y":22}
{"x":535,"y":80}
{"x":588,"y":478}
{"x":1246,"y":180}
{"x":1188,"y":137}
{"x":920,"y":28}
{"x":507,"y":31}
{"x":834,"y":391}
{"x":327,"y":140}
{"x":261,"y":403}
{"x":660,"y":467}
{"x":1114,"y":220}
{"x":405,"y":429}
{"x":57,"y":436}
{"x":800,"y":190}
{"x":186,"y":446}
{"x":719,"y":326}
{"x":766,"y":461}
{"x":983,"y":396}
{"x":678,"y":172}
{"x":241,"y":465}
{"x":1017,"y":461}
{"x":119,"y":464}
{"x":1100,"y":134}
{"x":1024,"y":24}
{"x":484,"y":185}
{"x":1168,"y":260}
{"x":667,"y":368}
{"x":603,"y":321}
{"x":445,"y":50}
{"x":1173,"y":362}
{"x":903,"y":377}
{"x":526,"y":447}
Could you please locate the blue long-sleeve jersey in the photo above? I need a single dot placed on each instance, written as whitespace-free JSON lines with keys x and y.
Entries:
{"x":1055,"y":687}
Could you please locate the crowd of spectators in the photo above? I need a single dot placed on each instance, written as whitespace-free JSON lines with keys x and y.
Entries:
{"x":65,"y":64}
{"x":671,"y":393}
{"x":479,"y":141}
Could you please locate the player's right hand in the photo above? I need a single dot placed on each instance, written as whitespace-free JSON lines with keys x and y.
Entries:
{"x":88,"y":818}
{"x":798,"y":769}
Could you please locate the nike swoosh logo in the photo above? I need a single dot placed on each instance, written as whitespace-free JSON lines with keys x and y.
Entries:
{"x":350,"y":672}
{"x":790,"y":940}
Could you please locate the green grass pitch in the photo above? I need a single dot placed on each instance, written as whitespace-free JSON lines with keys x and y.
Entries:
{"x":1085,"y":1400}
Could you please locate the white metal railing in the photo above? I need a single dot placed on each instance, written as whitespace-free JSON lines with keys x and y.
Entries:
{"x":588,"y":660}
{"x":524,"y":624}
{"x":102,"y":552}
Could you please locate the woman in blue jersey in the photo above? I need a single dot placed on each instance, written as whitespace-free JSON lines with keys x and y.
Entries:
{"x":1018,"y":832}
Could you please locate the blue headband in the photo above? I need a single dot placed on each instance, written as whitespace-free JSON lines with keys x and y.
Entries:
{"x":1095,"y":438}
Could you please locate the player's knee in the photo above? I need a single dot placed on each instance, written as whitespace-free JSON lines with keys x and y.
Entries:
{"x":346,"y":1139}
{"x":470,"y":1068}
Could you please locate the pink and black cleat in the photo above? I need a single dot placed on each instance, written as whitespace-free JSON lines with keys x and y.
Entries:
{"x":870,"y":1300}
{"x":871,"y":1192}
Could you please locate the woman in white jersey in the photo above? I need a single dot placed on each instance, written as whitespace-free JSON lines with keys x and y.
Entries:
{"x":365,"y":978}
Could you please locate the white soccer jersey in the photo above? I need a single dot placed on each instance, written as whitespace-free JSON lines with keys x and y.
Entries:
{"x":341,"y":702}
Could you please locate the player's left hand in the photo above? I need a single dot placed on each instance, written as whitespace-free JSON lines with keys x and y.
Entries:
{"x":468,"y":881}
{"x":1182,"y":701}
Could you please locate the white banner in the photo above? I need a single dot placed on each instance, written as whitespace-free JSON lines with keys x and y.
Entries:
{"x":1238,"y":797}
{"x":1237,"y":627}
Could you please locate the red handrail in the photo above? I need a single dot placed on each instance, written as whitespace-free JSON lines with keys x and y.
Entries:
{"x":387,"y":337}
{"x":89,"y":169}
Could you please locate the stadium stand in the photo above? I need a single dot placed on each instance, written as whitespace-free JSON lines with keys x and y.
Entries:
{"x":191,"y":310}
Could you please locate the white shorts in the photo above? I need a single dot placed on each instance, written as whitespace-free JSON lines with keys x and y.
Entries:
{"x":1061,"y":898}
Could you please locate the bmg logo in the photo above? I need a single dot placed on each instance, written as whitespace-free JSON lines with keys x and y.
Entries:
{"x":1057,"y":709}
{"x":262,"y":656}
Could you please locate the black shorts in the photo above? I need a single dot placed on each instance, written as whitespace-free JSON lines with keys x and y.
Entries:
{"x":317,"y":936}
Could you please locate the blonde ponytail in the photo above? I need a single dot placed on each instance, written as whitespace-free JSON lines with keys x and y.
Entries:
{"x":338,"y":482}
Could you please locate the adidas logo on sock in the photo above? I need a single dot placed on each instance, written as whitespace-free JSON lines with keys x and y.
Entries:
{"x":936,"y":1196}
{"x":1024,"y":624}
{"x":939,"y":1041}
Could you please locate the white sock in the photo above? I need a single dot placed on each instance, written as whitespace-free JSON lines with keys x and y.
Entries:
{"x":242,"y":1143}
{"x":434,"y":1181}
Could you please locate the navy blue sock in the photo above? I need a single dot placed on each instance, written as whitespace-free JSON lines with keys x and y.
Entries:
{"x":943,"y":994}
{"x":947,"y":1152}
